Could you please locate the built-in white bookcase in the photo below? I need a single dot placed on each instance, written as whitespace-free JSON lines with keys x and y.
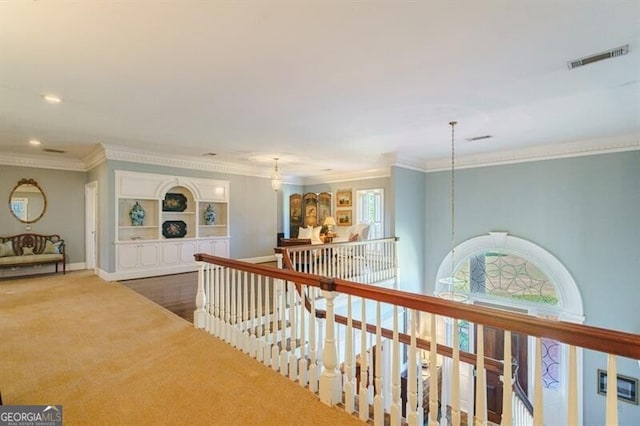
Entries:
{"x":173,"y":228}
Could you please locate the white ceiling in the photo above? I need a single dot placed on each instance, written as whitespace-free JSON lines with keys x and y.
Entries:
{"x":322,"y":84}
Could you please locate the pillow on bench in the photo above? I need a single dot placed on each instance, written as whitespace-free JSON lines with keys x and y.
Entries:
{"x":51,"y":248}
{"x":6,"y":249}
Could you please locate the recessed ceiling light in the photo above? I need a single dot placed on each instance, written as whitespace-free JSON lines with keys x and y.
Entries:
{"x":52,"y":99}
{"x":34,"y":142}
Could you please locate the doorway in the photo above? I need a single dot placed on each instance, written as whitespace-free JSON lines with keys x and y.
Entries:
{"x":91,"y":222}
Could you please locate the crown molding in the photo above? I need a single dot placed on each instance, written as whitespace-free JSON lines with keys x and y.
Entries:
{"x":347,"y":176}
{"x":119,"y":153}
{"x":538,"y":153}
{"x":42,"y":162}
{"x":405,"y":162}
{"x":94,"y":159}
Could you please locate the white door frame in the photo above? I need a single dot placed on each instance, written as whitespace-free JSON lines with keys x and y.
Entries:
{"x":91,"y":224}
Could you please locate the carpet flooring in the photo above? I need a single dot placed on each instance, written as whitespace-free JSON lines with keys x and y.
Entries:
{"x":110,"y":356}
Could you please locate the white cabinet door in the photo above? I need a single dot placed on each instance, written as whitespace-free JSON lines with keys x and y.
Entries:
{"x":187,"y":250}
{"x":132,"y":256}
{"x":148,"y":254}
{"x":170,"y":253}
{"x":221,"y":248}
{"x":178,"y":253}
{"x":205,"y":246}
{"x":127,"y":256}
{"x":215,"y":247}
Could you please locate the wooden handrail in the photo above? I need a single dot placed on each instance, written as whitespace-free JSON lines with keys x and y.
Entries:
{"x":490,"y":363}
{"x":520,"y":393}
{"x":585,"y":336}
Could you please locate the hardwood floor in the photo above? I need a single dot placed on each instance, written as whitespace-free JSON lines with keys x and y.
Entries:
{"x":176,"y":293}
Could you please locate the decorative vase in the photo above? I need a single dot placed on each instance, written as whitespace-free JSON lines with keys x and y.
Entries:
{"x":136,"y":214}
{"x":210,"y":215}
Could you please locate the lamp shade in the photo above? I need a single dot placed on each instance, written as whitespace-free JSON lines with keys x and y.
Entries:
{"x":329,"y":221}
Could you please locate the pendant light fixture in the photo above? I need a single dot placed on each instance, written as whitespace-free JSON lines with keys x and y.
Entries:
{"x":276,"y":182}
{"x":448,"y":290}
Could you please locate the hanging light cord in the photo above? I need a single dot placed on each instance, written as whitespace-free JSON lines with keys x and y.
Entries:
{"x":453,"y":215}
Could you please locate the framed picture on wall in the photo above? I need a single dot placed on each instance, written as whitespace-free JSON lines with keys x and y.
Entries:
{"x":343,"y":198}
{"x":627,"y":387}
{"x":343,"y":217}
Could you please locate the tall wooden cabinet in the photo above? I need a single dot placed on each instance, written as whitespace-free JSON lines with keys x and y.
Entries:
{"x":181,"y":216}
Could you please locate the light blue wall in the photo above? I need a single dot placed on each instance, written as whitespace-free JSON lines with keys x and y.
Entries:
{"x":584,"y":210}
{"x":408,"y":204}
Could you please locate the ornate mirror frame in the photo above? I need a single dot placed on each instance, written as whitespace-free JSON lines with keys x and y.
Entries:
{"x":26,"y":219}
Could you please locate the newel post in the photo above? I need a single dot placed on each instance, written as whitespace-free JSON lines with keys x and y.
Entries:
{"x":200,"y":314}
{"x":329,"y":379}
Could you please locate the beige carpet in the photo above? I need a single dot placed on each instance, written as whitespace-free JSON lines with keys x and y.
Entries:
{"x":111,"y":356}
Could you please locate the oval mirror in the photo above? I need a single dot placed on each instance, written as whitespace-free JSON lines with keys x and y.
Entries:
{"x":27,"y":202}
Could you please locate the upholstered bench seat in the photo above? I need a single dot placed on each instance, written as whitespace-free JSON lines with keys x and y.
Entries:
{"x":31,"y":259}
{"x":32,"y":249}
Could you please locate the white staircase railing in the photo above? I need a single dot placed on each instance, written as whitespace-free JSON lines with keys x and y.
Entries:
{"x":372,"y":366}
{"x":371,"y":261}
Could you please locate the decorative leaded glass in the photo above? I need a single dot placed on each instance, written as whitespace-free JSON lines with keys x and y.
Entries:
{"x":550,"y":363}
{"x":507,"y":275}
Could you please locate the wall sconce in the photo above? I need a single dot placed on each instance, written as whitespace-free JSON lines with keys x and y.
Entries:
{"x":276,"y":182}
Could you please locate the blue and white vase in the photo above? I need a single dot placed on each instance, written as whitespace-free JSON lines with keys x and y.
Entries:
{"x":137,"y":215}
{"x":210,"y":215}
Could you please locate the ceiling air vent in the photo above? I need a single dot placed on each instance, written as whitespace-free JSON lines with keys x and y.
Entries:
{"x":54,"y":151}
{"x":618,"y":51}
{"x":479,"y":138}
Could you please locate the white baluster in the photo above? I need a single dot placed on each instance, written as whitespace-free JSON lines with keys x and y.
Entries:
{"x":284,"y":359}
{"x":481,"y":380}
{"x":455,"y":376}
{"x":329,"y":379}
{"x":253,"y":350}
{"x":507,"y":386}
{"x":216,"y":301}
{"x":227,"y":304}
{"x":244,"y":320}
{"x":302,"y":361}
{"x":433,"y":373}
{"x":378,"y":404}
{"x":572,"y":388}
{"x":350,"y":382}
{"x":412,"y":400}
{"x":396,"y":409}
{"x":363,"y":405}
{"x":234,"y":307}
{"x":199,"y":316}
{"x":538,"y":403}
{"x":293,"y":361}
{"x":612,"y":391}
{"x":259,"y":330}
{"x":313,"y":373}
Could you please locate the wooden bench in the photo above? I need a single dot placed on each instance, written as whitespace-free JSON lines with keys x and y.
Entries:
{"x":32,"y":249}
